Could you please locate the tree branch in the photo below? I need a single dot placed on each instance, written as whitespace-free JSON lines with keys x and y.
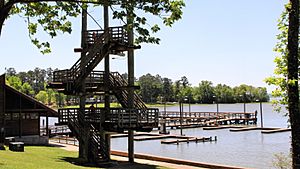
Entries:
{"x":77,"y":1}
{"x":4,"y":12}
{"x":6,"y":7}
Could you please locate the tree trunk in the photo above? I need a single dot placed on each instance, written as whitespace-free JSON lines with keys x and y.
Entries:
{"x":4,"y":11}
{"x":293,"y":91}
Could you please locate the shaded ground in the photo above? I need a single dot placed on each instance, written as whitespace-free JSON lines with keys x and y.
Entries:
{"x":122,"y":161}
{"x":41,"y":157}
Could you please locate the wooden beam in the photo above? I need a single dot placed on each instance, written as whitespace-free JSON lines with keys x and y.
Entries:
{"x":25,"y":110}
{"x":47,"y":125}
{"x":78,"y":50}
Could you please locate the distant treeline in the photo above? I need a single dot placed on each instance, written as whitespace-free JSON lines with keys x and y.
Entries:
{"x":153,"y":89}
{"x":158,"y":89}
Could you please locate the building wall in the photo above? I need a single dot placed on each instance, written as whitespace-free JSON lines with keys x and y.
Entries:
{"x":26,"y":125}
{"x":2,"y":105}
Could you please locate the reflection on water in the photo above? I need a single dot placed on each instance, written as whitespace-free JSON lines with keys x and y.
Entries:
{"x":246,"y":149}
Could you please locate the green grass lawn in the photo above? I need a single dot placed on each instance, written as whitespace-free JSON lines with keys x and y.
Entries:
{"x":41,"y":157}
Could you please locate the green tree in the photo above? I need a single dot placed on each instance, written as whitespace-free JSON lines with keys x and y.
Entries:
{"x":15,"y":82}
{"x":293,"y":77}
{"x":53,"y":16}
{"x":187,"y":94}
{"x":60,"y":99}
{"x":261,"y":94}
{"x":27,"y":89}
{"x":51,"y":96}
{"x":286,"y":72}
{"x":23,"y":76}
{"x":10,"y":71}
{"x":244,"y":93}
{"x":224,"y":93}
{"x":42,"y":96}
{"x":176,"y":88}
{"x":167,"y":90}
{"x":151,"y":87}
{"x":204,"y":92}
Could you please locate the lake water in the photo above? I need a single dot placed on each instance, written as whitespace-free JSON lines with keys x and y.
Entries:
{"x":246,"y":149}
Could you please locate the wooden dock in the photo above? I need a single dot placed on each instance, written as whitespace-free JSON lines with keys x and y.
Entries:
{"x":275,"y":131}
{"x":265,"y":130}
{"x":158,"y":137}
{"x":188,"y":140}
{"x":175,"y":139}
{"x":179,"y":120}
{"x":221,"y":127}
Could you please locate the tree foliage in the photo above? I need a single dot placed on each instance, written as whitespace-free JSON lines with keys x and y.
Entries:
{"x":33,"y":83}
{"x":42,"y":96}
{"x":287,"y":72}
{"x":53,"y":16}
{"x":157,"y":89}
{"x":152,"y":89}
{"x":279,"y":79}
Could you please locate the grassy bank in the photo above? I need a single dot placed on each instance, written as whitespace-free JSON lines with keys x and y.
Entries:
{"x":42,"y":157}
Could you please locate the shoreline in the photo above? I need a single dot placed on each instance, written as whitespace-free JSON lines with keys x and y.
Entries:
{"x":158,"y":160}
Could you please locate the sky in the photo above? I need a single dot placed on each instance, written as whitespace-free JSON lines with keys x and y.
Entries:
{"x":229,"y":42}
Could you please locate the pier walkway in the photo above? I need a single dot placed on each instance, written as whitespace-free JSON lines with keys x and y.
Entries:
{"x":172,"y":119}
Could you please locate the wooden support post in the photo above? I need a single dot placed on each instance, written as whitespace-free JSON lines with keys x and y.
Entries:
{"x":39,"y":125}
{"x":106,"y":65}
{"x":107,"y":143}
{"x":47,"y":124}
{"x":130,"y":19}
{"x":261,"y":115}
{"x":83,"y":139}
{"x":106,"y":83}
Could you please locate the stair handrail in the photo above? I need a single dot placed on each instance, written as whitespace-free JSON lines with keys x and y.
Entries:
{"x":117,"y":80}
{"x":95,"y":141}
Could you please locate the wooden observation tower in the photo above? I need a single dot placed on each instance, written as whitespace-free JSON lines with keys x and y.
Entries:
{"x":93,"y":127}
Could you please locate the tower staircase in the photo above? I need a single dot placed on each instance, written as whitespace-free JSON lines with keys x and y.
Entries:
{"x":96,"y":141}
{"x":98,"y":45}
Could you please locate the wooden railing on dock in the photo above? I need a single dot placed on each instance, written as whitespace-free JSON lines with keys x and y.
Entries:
{"x":188,"y":119}
{"x":118,"y":117}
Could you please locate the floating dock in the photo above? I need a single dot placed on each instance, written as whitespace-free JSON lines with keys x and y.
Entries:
{"x":188,"y":140}
{"x":175,"y":138}
{"x":221,"y":127}
{"x":265,"y":130}
{"x":275,"y":131}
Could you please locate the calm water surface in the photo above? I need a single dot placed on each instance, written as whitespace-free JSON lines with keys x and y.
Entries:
{"x":246,"y":149}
